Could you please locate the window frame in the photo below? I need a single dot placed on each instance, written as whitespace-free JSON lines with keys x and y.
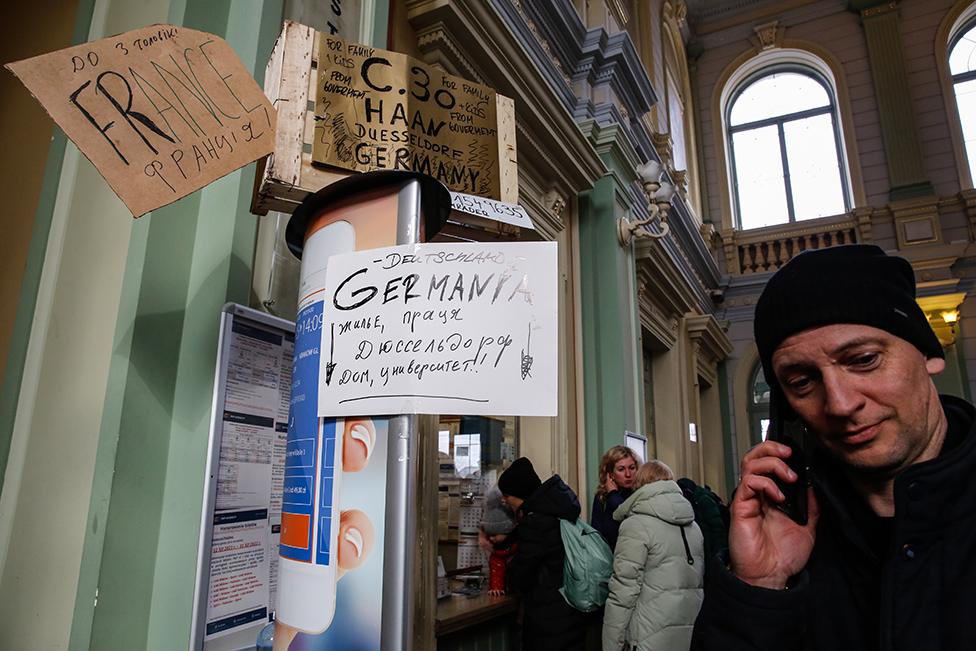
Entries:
{"x":830,"y":109}
{"x":954,"y":24}
{"x":757,"y":411}
{"x":955,"y":79}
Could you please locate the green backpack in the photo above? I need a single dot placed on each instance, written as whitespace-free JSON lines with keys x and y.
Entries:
{"x":588,"y":566}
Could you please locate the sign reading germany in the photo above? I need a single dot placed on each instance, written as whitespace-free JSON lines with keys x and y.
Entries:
{"x":160,"y":111}
{"x":376,"y":109}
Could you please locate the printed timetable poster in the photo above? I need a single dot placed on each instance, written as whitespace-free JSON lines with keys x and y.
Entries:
{"x":441,"y":328}
{"x":247,"y":512}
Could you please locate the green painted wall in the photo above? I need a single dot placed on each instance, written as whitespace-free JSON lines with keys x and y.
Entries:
{"x":21,"y":331}
{"x":610,"y":337}
{"x":185,"y":261}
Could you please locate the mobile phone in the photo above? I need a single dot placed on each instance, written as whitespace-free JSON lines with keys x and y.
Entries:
{"x":793,"y":435}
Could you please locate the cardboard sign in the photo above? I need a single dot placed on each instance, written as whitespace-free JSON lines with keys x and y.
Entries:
{"x":441,"y":329}
{"x":508,"y":213}
{"x":376,"y":109}
{"x":160,"y":111}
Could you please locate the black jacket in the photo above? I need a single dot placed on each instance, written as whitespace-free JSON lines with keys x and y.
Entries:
{"x":904,"y":583}
{"x":601,"y":515}
{"x":536,"y":571}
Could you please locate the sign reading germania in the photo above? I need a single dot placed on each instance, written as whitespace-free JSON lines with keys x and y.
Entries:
{"x":376,"y":109}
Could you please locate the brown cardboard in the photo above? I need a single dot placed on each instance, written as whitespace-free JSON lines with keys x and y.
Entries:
{"x":376,"y":109}
{"x":160,"y":111}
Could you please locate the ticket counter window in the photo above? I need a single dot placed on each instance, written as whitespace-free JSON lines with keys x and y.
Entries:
{"x":472,"y":452}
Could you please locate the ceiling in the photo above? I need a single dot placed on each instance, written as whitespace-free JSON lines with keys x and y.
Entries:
{"x":703,"y":10}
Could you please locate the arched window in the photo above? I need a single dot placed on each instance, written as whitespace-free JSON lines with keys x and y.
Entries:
{"x":758,"y":405}
{"x":785,"y":150}
{"x":962,"y":67}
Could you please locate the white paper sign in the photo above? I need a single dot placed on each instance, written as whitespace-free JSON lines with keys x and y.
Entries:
{"x":441,"y":328}
{"x":508,"y":213}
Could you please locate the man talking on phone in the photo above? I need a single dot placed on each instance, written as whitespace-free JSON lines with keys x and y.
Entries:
{"x":884,"y":556}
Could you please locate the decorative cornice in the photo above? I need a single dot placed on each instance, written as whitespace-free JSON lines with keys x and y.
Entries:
{"x":680,"y":12}
{"x":659,"y":322}
{"x":592,"y":59}
{"x":615,"y":149}
{"x":875,"y":10}
{"x":465,"y":33}
{"x":712,"y":345}
{"x":546,"y":210}
{"x":663,"y":146}
{"x":680,"y":178}
{"x":968,"y":199}
{"x":770,"y":35}
{"x":863,"y":216}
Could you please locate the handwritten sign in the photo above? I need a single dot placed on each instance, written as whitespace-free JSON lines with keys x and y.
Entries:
{"x":160,"y":111}
{"x":441,"y":328}
{"x":376,"y":109}
{"x":508,"y":213}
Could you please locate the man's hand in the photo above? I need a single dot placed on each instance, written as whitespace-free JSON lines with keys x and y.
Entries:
{"x":766,"y":547}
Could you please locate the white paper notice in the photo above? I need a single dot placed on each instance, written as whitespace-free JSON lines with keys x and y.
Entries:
{"x":441,"y":328}
{"x":509,"y":213}
{"x":238,"y":571}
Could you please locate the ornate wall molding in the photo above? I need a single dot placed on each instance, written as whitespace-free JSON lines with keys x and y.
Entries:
{"x":769,"y":35}
{"x":711,"y":345}
{"x":968,"y":198}
{"x":485,"y":40}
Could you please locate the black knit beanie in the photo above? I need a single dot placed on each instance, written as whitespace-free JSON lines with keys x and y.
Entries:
{"x":519,"y":480}
{"x":856,"y":284}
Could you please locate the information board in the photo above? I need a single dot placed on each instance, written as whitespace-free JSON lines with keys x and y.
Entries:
{"x":237,"y":563}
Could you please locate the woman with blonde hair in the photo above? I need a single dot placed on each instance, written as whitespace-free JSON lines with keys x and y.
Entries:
{"x":617,"y":469}
{"x":658,"y":564}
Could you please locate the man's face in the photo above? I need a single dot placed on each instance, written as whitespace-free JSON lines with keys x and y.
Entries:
{"x":865,"y":393}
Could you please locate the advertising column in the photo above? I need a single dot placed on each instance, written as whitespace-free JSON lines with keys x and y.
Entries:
{"x":347,"y":481}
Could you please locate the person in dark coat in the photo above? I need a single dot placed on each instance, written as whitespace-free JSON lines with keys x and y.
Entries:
{"x":708,"y":514}
{"x":536,"y":569}
{"x":887,"y":558}
{"x":617,"y":470}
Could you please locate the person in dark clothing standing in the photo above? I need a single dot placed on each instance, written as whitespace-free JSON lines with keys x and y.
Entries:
{"x":708,"y":514}
{"x":617,"y":469}
{"x":536,"y":570}
{"x":887,"y":557}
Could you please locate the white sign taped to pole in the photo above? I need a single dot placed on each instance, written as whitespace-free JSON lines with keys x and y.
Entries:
{"x":441,"y":328}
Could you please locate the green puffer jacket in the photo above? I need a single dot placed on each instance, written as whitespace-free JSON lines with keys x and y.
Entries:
{"x":655,"y":592}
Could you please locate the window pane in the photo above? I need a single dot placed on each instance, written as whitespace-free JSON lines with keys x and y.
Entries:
{"x":759,"y":178}
{"x":811,"y":150}
{"x":760,"y":390}
{"x":478,"y":450}
{"x":963,"y":55}
{"x":676,"y":118}
{"x":777,"y":94}
{"x":966,"y":101}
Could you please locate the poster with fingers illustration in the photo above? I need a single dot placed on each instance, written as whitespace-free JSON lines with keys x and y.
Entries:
{"x":331,"y":553}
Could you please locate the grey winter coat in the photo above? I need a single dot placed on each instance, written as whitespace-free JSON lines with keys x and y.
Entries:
{"x":656,"y":587}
